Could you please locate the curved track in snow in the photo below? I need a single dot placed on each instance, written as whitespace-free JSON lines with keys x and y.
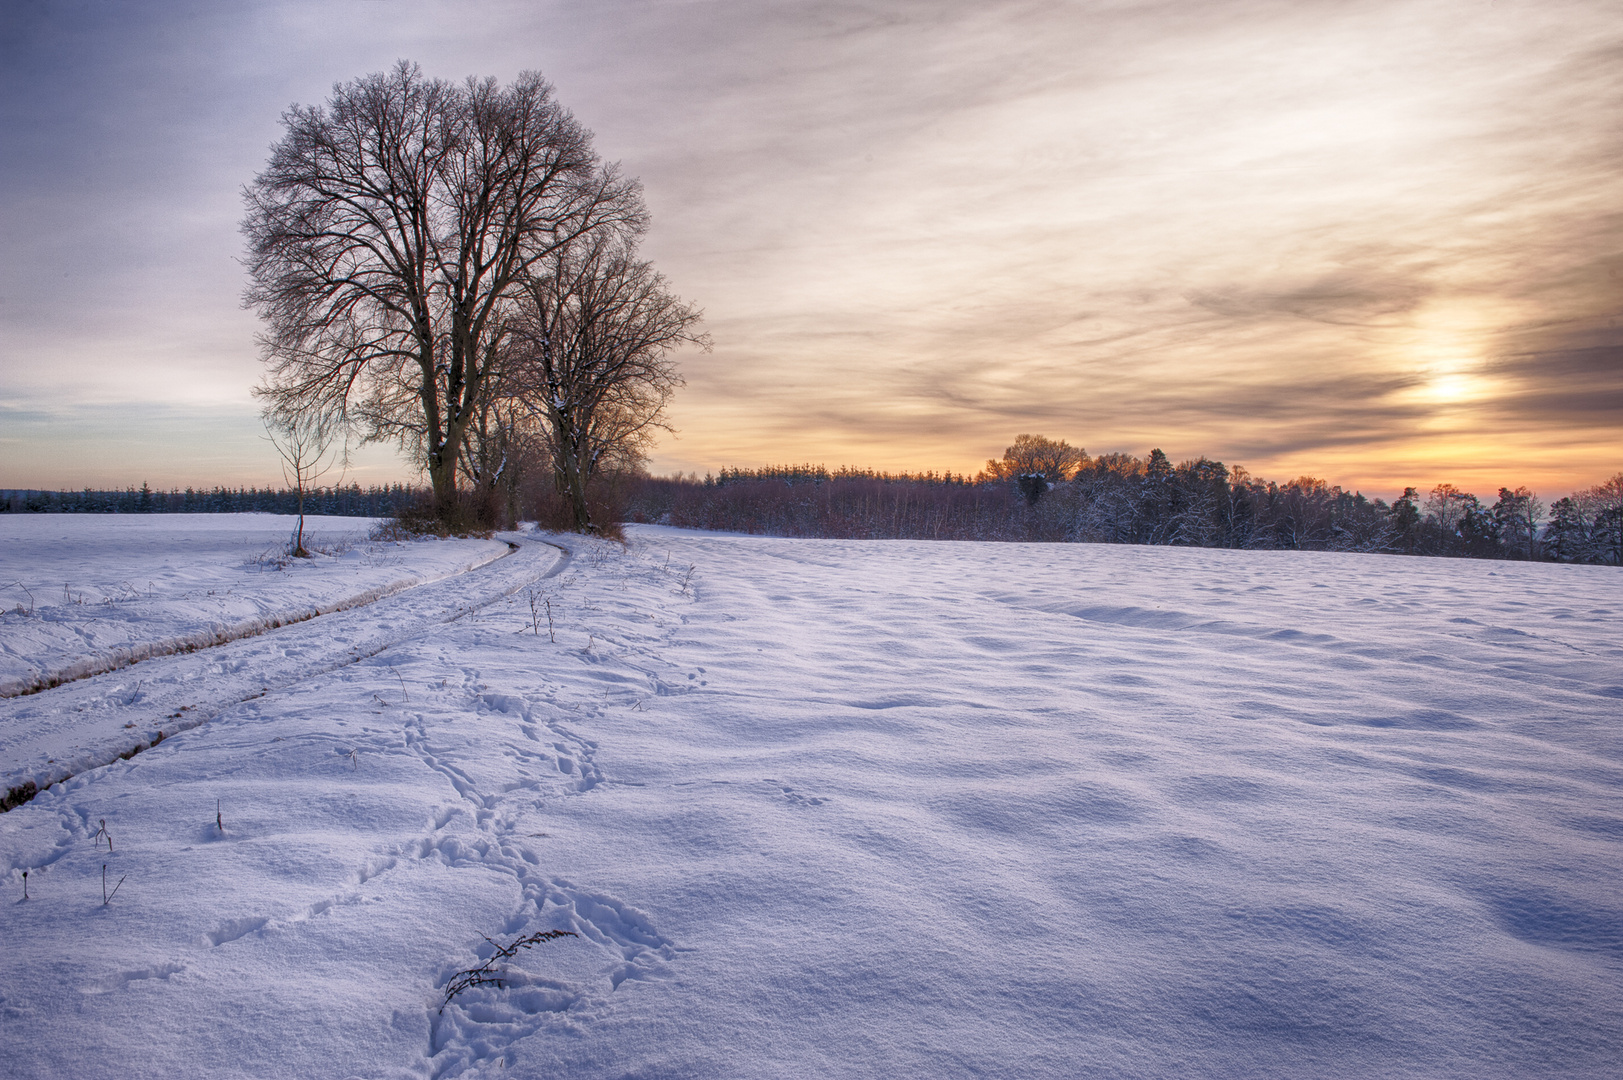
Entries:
{"x":49,"y":736}
{"x":213,"y":636}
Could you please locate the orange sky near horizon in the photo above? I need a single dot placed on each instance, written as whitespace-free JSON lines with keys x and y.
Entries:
{"x":1374,"y":241}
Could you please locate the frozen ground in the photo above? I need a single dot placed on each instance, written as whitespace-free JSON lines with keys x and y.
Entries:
{"x":829,"y":808}
{"x":84,"y":593}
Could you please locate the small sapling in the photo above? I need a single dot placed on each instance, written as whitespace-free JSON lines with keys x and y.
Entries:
{"x":105,"y":898}
{"x":219,"y":823}
{"x":25,"y":884}
{"x":103,"y":833}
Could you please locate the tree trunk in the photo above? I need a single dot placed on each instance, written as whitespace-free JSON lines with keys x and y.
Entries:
{"x":575,"y":491}
{"x":442,"y":477}
{"x":570,"y":478}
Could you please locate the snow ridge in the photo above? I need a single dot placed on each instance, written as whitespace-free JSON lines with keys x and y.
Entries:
{"x":223,"y":633}
{"x":47,"y":737}
{"x":855,"y":810}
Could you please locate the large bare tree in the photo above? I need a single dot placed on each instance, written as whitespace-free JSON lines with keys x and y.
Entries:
{"x":391,"y":236}
{"x":590,"y":356}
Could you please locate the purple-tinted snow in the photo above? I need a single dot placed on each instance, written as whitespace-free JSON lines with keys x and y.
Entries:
{"x":848,"y":809}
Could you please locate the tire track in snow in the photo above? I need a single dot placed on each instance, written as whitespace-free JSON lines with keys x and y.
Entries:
{"x":617,"y":945}
{"x":217,"y":635}
{"x":55,"y":734}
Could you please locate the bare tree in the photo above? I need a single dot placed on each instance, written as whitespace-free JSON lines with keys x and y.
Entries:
{"x":1301,"y":513}
{"x":302,"y":441}
{"x":1516,"y":515}
{"x":591,"y":357}
{"x":1449,"y":507}
{"x":1034,"y":455}
{"x":1587,"y":526}
{"x":506,"y":445}
{"x":1108,"y":489}
{"x":391,"y":235}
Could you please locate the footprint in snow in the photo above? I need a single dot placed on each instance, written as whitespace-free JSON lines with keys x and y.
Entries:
{"x":236,"y":928}
{"x":794,"y":798}
{"x":124,"y":978}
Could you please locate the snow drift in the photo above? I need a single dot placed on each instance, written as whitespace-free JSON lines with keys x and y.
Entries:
{"x":824,"y":808}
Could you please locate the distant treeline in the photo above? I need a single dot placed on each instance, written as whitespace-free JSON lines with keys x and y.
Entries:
{"x":1039,"y":491}
{"x":351,"y":501}
{"x":818,"y":474}
{"x":1119,"y":498}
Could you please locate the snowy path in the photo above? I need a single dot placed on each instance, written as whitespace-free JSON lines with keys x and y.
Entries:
{"x":140,"y":586}
{"x":49,"y":736}
{"x":873,"y":810}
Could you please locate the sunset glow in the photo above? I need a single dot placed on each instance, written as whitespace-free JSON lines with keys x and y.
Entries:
{"x":1375,"y":242}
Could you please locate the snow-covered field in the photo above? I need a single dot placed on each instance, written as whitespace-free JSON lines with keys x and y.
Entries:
{"x":84,"y":593}
{"x":846,"y":809}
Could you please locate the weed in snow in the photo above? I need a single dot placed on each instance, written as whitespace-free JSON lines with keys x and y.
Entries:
{"x":20,"y":609}
{"x":538,"y":604}
{"x":487,"y":974}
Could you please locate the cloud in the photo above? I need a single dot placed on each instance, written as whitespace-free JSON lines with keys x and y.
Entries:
{"x":1345,"y":297}
{"x":1562,"y":386}
{"x":1376,"y":236}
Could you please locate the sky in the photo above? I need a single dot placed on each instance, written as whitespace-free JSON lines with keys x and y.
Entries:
{"x":1374,"y":241}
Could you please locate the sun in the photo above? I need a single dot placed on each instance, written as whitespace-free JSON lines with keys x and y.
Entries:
{"x":1450,"y":388}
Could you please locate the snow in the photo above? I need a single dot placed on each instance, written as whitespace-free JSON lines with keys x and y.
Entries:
{"x":136,"y":587}
{"x":854,"y":809}
{"x":202,"y":592}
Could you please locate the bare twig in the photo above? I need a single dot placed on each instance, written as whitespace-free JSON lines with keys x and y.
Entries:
{"x":102,"y":832}
{"x":106,"y":899}
{"x":25,"y":589}
{"x":219,"y":823}
{"x":487,"y":974}
{"x":552,"y":634}
{"x":25,"y":884}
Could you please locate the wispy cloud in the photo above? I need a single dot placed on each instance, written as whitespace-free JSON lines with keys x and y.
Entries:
{"x":1373,"y":239}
